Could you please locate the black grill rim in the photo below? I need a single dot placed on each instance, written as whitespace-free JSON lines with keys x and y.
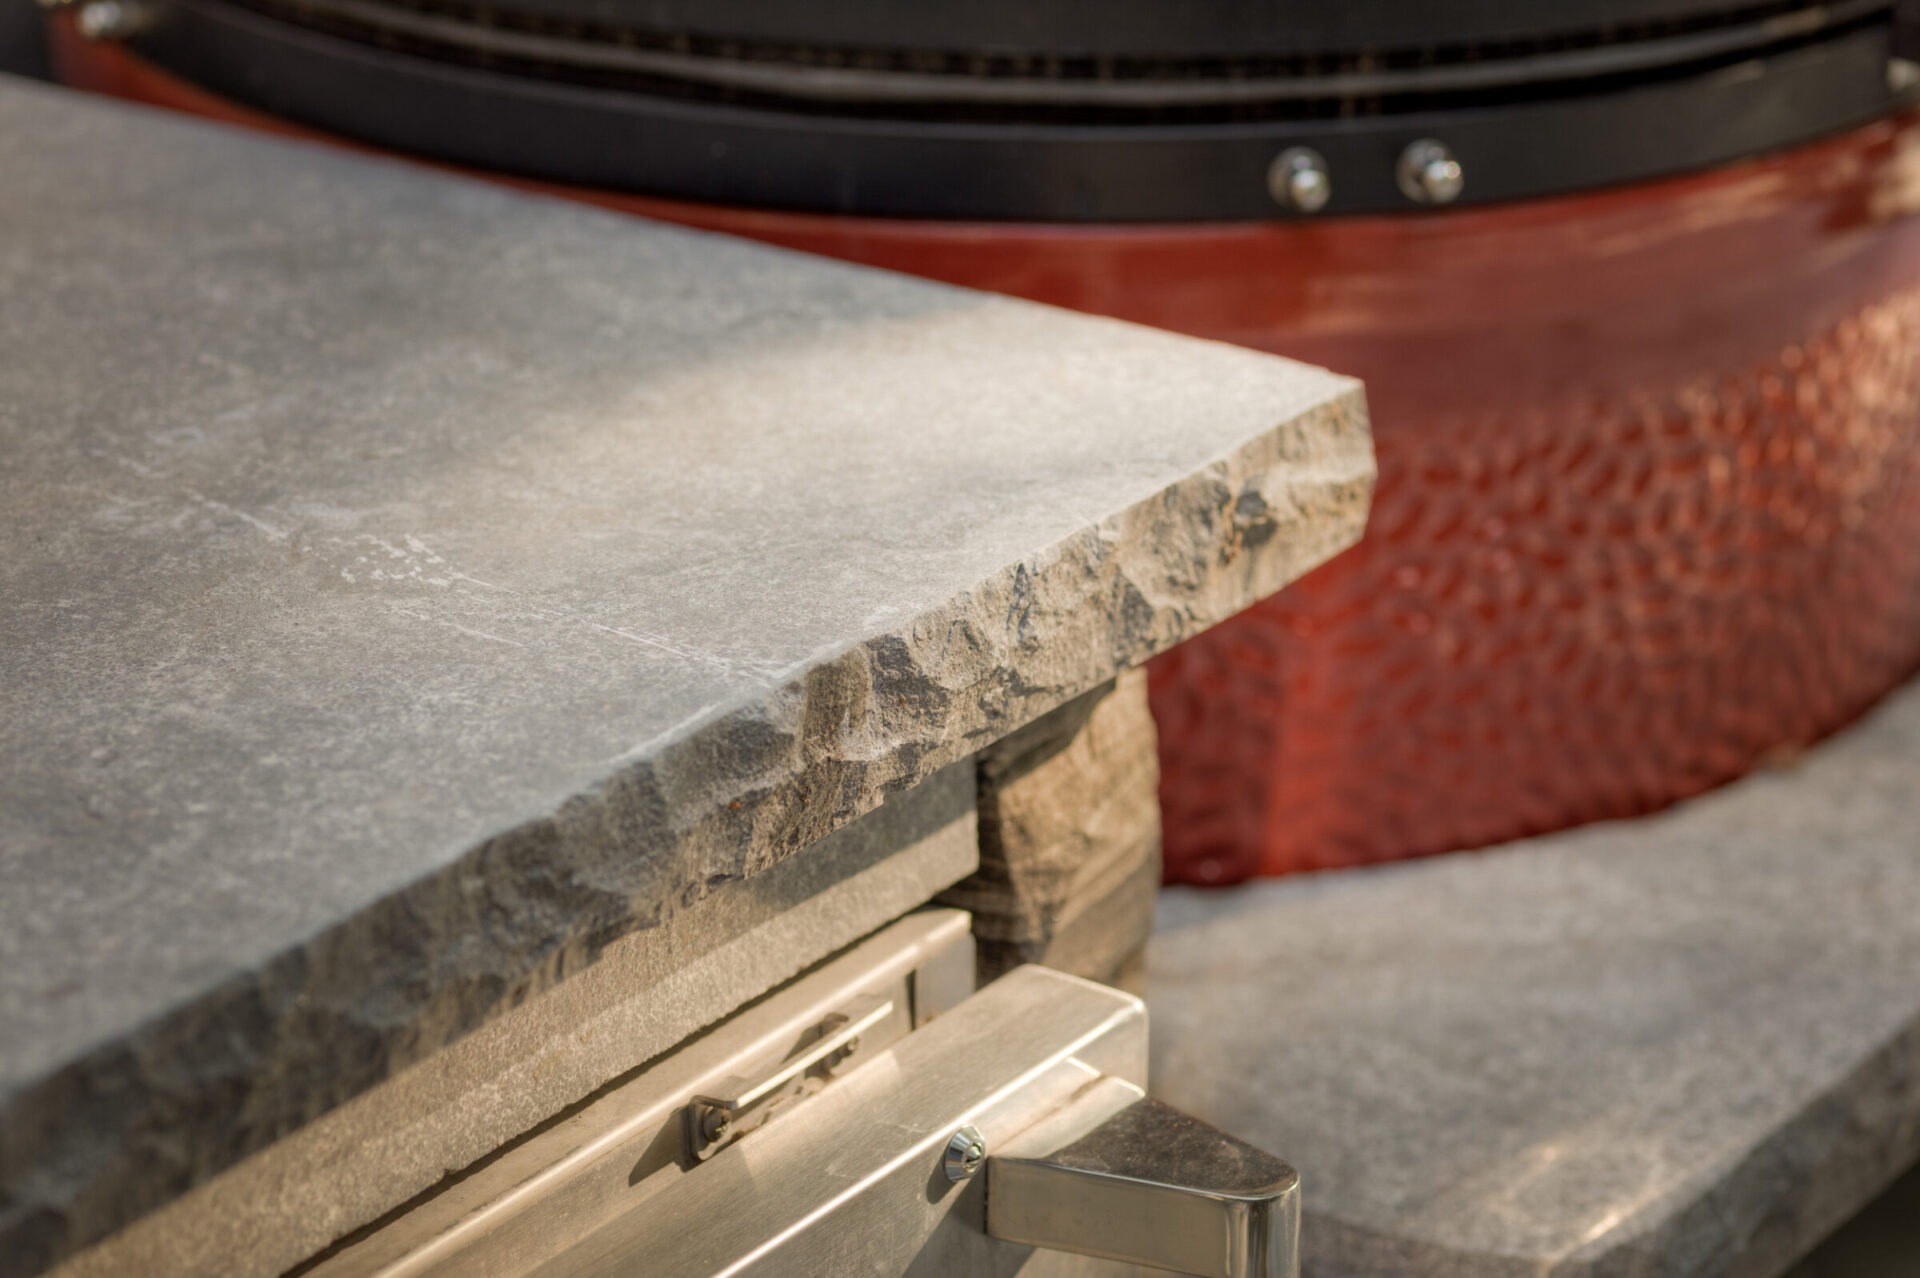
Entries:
{"x":1076,"y":166}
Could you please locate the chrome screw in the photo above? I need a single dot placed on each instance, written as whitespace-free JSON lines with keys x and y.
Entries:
{"x":1298,"y":179}
{"x":715,"y":1125}
{"x":966,"y":1150}
{"x":1429,"y":174}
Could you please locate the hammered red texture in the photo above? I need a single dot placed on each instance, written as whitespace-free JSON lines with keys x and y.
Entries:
{"x":1649,"y":501}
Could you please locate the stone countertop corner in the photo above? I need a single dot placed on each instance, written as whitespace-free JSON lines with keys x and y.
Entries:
{"x":412,"y":586}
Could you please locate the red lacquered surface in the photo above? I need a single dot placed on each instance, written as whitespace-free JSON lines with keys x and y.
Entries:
{"x":1649,"y":510}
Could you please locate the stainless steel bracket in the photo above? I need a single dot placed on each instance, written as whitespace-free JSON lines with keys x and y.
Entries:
{"x":1153,"y":1186}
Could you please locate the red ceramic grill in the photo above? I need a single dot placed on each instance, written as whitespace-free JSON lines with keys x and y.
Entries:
{"x":1634,"y":286}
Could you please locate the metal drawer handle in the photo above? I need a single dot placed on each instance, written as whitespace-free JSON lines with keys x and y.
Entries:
{"x":1153,"y":1186}
{"x":743,"y":1104}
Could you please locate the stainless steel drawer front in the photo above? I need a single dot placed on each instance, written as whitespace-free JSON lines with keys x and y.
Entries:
{"x":866,"y":1120}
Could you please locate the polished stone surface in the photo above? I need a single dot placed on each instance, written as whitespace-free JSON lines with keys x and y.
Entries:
{"x":411,"y":587}
{"x":1683,"y":1045}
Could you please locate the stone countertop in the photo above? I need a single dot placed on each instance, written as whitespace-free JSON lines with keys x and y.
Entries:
{"x":411,"y":586}
{"x":1686,"y":1046}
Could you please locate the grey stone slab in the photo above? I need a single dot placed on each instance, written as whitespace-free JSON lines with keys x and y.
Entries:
{"x":1682,"y":1045}
{"x":412,"y":587}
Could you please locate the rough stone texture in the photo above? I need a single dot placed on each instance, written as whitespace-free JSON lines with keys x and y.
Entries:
{"x":1683,"y":1045}
{"x":1069,"y":838}
{"x":412,"y":587}
{"x":646,"y":992}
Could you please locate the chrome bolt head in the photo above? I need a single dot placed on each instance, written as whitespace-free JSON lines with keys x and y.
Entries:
{"x":1298,"y":180}
{"x":715,"y":1125}
{"x":1429,"y":173}
{"x":966,"y":1150}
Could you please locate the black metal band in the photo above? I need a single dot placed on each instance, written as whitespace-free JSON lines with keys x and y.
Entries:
{"x":588,"y":113}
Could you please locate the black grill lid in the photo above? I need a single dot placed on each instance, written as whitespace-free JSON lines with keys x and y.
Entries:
{"x":1056,"y":110}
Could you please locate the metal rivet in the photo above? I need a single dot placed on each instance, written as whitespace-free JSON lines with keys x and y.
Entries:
{"x":1429,"y":174}
{"x":966,"y":1150}
{"x":1298,"y":179}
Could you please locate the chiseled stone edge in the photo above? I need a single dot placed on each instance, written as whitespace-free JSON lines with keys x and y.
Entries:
{"x":140,"y":1120}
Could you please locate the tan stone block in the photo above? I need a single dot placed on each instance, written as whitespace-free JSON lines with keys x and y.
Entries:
{"x":1069,"y":837}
